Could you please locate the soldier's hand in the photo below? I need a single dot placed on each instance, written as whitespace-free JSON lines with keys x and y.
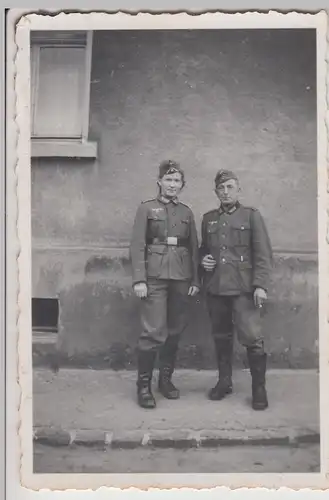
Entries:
{"x":140,"y":290}
{"x":208,"y":262}
{"x":193,"y":290}
{"x":260,"y":296}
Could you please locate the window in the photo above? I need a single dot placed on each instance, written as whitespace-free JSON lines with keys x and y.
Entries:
{"x":45,"y":320}
{"x":60,"y":86}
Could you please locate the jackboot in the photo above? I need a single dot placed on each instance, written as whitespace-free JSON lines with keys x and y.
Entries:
{"x":224,"y":352}
{"x":166,"y":368}
{"x":144,"y":379}
{"x":257,"y":364}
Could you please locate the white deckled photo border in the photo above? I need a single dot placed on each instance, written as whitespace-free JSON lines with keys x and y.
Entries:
{"x":19,"y":236}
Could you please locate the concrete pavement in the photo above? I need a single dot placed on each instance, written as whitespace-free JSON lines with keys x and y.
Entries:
{"x":98,"y":408}
{"x":147,"y":460}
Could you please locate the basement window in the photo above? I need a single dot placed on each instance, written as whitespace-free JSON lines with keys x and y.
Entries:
{"x":45,"y":319}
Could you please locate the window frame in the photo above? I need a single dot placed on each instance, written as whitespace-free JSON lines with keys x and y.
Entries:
{"x":74,"y":146}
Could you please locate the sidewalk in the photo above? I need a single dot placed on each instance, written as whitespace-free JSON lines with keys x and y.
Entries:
{"x":92,"y":408}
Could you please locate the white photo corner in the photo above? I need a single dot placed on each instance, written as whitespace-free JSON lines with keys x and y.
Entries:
{"x":171,"y":189}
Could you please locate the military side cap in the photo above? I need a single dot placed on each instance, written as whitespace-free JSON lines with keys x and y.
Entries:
{"x":223,"y":176}
{"x":169,"y":167}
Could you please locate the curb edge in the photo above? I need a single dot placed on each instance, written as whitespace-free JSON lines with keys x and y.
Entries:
{"x":165,"y":439}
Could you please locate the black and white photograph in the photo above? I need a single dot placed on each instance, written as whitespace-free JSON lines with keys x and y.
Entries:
{"x":176,"y":221}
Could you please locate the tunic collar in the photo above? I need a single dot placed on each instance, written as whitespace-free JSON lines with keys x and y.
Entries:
{"x":230,"y":209}
{"x":166,"y":201}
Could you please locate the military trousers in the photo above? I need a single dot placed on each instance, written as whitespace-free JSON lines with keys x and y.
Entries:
{"x":236,"y":313}
{"x":164,"y":312}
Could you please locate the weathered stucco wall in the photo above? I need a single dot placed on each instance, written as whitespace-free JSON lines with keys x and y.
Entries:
{"x":236,"y":99}
{"x":210,"y":100}
{"x":99,"y":320}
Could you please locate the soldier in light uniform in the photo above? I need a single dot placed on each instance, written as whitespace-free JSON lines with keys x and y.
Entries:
{"x":164,"y":256}
{"x":236,"y":261}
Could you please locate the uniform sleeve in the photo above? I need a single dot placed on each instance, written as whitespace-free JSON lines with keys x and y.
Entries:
{"x":194,"y":248}
{"x":138,"y":244}
{"x":203,"y":250}
{"x":262,"y":252}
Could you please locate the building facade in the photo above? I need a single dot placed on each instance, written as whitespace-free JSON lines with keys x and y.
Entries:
{"x":107,"y":107}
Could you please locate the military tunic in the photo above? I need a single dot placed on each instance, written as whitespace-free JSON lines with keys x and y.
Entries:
{"x":164,"y":254}
{"x":238,"y":241}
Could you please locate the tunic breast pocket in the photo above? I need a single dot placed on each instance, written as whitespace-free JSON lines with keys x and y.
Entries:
{"x":156,"y":225}
{"x":241,"y":234}
{"x":212,"y":228}
{"x":184,"y":228}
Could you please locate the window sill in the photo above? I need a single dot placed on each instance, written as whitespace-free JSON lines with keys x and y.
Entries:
{"x":54,"y":148}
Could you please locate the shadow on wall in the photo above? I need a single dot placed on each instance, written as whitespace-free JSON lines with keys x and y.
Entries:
{"x":99,"y":320}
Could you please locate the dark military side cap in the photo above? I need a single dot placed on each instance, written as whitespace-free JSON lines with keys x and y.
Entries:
{"x":169,"y":167}
{"x":223,"y":176}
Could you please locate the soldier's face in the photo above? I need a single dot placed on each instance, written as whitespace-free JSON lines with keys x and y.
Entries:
{"x":170,"y":185}
{"x":228,"y":192}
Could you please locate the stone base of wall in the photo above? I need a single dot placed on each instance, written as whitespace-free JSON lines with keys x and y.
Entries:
{"x":99,"y":320}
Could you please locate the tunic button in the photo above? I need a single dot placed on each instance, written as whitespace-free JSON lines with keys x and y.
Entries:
{"x":223,"y":260}
{"x":174,"y":225}
{"x":174,"y":213}
{"x":224,"y":247}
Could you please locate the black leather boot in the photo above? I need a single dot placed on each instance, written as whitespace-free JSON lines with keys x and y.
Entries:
{"x":257,"y":364}
{"x":167,"y":364}
{"x":144,"y":381}
{"x":224,"y":351}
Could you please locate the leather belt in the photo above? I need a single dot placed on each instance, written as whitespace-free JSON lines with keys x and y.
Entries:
{"x":169,"y":241}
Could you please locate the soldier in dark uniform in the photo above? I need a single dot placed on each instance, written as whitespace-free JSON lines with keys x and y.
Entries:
{"x":236,"y":260}
{"x":164,"y":256}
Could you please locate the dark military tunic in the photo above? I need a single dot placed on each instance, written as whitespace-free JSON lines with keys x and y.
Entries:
{"x":164,"y":254}
{"x":239,"y":242}
{"x":153,"y":254}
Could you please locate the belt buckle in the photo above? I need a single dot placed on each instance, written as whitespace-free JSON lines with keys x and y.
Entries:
{"x":172,"y":240}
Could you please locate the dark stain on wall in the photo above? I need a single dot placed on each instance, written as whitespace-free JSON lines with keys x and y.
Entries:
{"x":99,"y":322}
